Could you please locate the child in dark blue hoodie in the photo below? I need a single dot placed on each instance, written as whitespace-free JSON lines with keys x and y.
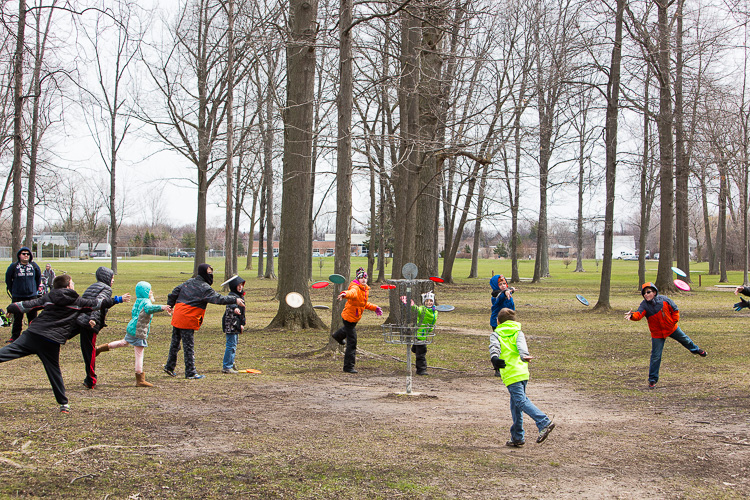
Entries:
{"x":233,"y":322}
{"x":502,"y":297}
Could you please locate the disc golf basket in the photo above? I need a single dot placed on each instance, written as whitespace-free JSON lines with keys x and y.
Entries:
{"x":405,"y":325}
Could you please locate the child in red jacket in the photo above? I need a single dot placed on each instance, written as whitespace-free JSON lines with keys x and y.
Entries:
{"x":662,"y":315}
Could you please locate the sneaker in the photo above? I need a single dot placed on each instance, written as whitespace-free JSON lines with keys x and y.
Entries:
{"x":65,"y":408}
{"x":651,"y":384}
{"x":545,"y":432}
{"x":229,"y":370}
{"x":350,"y":370}
{"x":515,"y":444}
{"x":9,"y":341}
{"x":421,"y":372}
{"x":195,"y":376}
{"x":87,"y":386}
{"x":341,"y":342}
{"x":169,"y":372}
{"x":701,"y":353}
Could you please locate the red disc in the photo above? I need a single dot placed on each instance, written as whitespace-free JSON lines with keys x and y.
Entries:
{"x":320,"y":284}
{"x":437,"y":279}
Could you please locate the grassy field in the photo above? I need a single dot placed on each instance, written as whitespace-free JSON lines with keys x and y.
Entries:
{"x":302,"y":429}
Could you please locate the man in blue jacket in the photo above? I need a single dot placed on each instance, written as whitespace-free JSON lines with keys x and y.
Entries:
{"x":22,"y":279}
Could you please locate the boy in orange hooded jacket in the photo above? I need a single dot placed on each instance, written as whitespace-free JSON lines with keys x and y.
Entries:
{"x":356,"y":303}
{"x":663,"y":316}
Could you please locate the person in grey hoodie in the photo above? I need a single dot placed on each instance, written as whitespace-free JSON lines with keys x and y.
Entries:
{"x":90,"y":323}
{"x":22,"y":279}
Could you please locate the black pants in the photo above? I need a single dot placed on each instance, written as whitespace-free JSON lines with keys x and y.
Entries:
{"x":48,"y":352}
{"x":349,"y":333}
{"x":421,"y":352}
{"x":15,"y":330}
{"x":88,"y":351}
{"x":188,"y":350}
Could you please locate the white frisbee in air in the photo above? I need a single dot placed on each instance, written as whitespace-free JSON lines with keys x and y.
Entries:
{"x":294,"y":299}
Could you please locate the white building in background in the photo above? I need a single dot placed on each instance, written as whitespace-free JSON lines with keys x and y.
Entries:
{"x":621,"y":244}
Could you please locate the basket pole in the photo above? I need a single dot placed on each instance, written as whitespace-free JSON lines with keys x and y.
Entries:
{"x":408,"y":368}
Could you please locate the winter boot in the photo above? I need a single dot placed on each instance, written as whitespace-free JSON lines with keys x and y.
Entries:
{"x":102,"y":348}
{"x":140,"y":380}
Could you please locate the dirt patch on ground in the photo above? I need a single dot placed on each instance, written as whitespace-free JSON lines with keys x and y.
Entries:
{"x":601,"y":448}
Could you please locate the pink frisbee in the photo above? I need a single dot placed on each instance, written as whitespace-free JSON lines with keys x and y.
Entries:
{"x":682,"y":285}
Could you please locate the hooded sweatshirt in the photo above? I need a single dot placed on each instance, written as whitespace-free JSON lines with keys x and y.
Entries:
{"x":57,"y":321}
{"x":190,"y":299}
{"x":142,"y":312}
{"x":498,"y":302}
{"x":508,"y":343}
{"x":23,"y":280}
{"x":231,"y":322}
{"x":96,"y":291}
{"x":662,"y":315}
{"x":356,"y":302}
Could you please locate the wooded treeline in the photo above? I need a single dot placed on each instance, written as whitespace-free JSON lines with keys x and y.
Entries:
{"x":449,"y":114}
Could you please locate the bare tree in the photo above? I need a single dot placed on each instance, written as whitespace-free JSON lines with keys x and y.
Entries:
{"x":298,"y":123}
{"x":613,"y":96}
{"x":190,"y":78}
{"x":18,"y":142}
{"x":115,"y":44}
{"x":37,"y":126}
{"x":342,"y":262}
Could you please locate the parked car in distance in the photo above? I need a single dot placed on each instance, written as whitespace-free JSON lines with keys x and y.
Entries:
{"x":627,"y":256}
{"x":656,"y":256}
{"x":316,"y":254}
{"x":178,"y":253}
{"x":255,"y":254}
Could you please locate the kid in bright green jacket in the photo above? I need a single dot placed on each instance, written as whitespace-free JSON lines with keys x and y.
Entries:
{"x":510,"y":355}
{"x":138,"y":329}
{"x":426,"y":318}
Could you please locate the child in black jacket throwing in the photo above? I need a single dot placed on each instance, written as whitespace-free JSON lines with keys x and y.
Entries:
{"x":54,"y":326}
{"x":233,"y":322}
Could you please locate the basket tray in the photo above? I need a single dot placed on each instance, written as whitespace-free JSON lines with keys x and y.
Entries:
{"x":403,"y":334}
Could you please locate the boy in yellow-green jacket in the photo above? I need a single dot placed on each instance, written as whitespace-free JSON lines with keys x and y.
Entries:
{"x":510,"y":355}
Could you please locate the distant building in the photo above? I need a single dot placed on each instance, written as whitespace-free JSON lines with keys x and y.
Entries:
{"x":620,"y":244}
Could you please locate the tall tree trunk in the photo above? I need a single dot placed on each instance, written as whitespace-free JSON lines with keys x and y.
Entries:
{"x":581,"y":174}
{"x":230,"y":259}
{"x":251,"y":232}
{"x":17,"y":167}
{"x":298,"y":132}
{"x":723,"y":188}
{"x":474,"y":271}
{"x":268,"y":166}
{"x":645,"y":217}
{"x":666,"y":157}
{"x":405,"y":172}
{"x":682,"y":168}
{"x":342,"y":260}
{"x":712,"y":268}
{"x":41,"y":43}
{"x":262,"y":225}
{"x":430,"y":115}
{"x":613,"y":95}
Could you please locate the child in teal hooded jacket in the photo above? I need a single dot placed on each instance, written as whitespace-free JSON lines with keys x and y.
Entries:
{"x":138,"y":329}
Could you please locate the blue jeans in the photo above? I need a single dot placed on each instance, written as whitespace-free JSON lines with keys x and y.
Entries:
{"x":520,"y":404}
{"x":657,"y":346}
{"x":230,"y":351}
